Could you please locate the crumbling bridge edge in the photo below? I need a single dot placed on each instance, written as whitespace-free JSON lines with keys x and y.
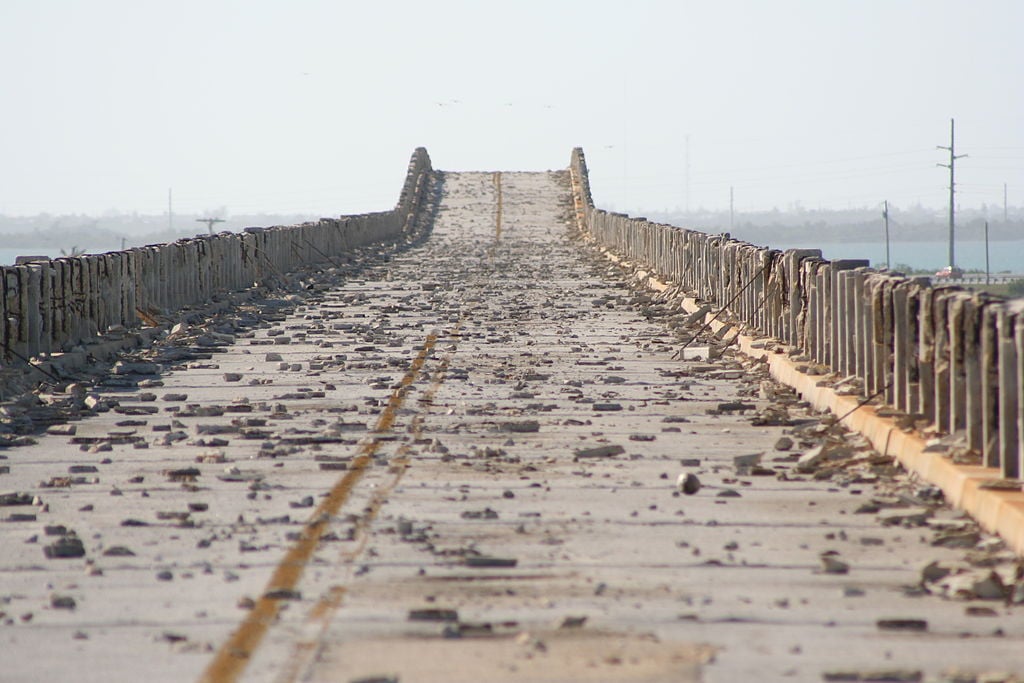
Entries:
{"x":49,"y":307}
{"x":943,"y":367}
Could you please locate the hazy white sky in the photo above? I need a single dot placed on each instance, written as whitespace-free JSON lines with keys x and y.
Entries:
{"x":315,"y":106}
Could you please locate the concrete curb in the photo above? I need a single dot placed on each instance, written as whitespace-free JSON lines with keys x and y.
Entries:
{"x":1000,"y":512}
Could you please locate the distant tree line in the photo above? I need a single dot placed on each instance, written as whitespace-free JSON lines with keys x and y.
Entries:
{"x":110,"y":231}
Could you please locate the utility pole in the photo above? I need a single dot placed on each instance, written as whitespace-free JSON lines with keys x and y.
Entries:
{"x":986,"y":254}
{"x":731,"y":211}
{"x":209,"y":222}
{"x":885,"y":215}
{"x":1004,"y":203}
{"x":952,"y":187}
{"x":687,"y":176}
{"x":170,"y":212}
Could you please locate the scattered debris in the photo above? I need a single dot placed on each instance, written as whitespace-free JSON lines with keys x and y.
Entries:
{"x":486,"y":561}
{"x":433,"y":614}
{"x":569,"y":622}
{"x":916,"y":625}
{"x":62,"y":602}
{"x":66,"y":547}
{"x":688,"y":483}
{"x":600,"y":451}
{"x":875,"y":675}
{"x":830,"y":564}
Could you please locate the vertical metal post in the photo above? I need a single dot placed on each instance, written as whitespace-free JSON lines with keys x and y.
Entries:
{"x":885,"y":215}
{"x":987,"y":271}
{"x":952,"y":188}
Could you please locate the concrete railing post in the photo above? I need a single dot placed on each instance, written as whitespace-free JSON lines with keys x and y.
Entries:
{"x":990,"y":384}
{"x":28,"y":290}
{"x":129,"y":265}
{"x":974,"y":385}
{"x":57,"y":303}
{"x":796,"y":296}
{"x":907,"y":321}
{"x":46,"y":306}
{"x":1009,"y":392}
{"x":957,"y":362}
{"x":1018,"y":453}
{"x":840,"y":313}
{"x":878,"y":354}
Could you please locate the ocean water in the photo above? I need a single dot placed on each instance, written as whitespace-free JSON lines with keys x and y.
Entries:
{"x":7,"y":256}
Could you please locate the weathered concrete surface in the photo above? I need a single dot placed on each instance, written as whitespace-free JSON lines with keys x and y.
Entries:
{"x":433,"y":412}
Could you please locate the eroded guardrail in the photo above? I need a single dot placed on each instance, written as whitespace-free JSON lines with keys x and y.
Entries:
{"x":938,"y":353}
{"x":52,"y":306}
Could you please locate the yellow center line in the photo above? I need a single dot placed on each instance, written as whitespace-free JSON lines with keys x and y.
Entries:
{"x":233,"y":656}
{"x":328,"y":603}
{"x":323,"y":611}
{"x":398,"y":464}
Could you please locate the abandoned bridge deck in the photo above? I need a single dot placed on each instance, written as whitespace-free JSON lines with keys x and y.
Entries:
{"x":458,"y":461}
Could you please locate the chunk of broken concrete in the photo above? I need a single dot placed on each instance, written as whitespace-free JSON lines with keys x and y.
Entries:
{"x":62,"y":430}
{"x":743,"y":463}
{"x":433,"y":614}
{"x":523,"y":427}
{"x":902,"y":625}
{"x":908,"y":517}
{"x":62,"y":602}
{"x":893,"y":675}
{"x":830,"y":564}
{"x":809,"y":461}
{"x":15,"y":498}
{"x":486,"y":561}
{"x":936,"y":571}
{"x":125,"y":368}
{"x":568,"y":622}
{"x":688,"y":483}
{"x":66,"y":547}
{"x":974,"y":585}
{"x":600,"y":451}
{"x":784,"y":443}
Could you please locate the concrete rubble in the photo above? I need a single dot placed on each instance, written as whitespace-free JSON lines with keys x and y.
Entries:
{"x":479,"y":455}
